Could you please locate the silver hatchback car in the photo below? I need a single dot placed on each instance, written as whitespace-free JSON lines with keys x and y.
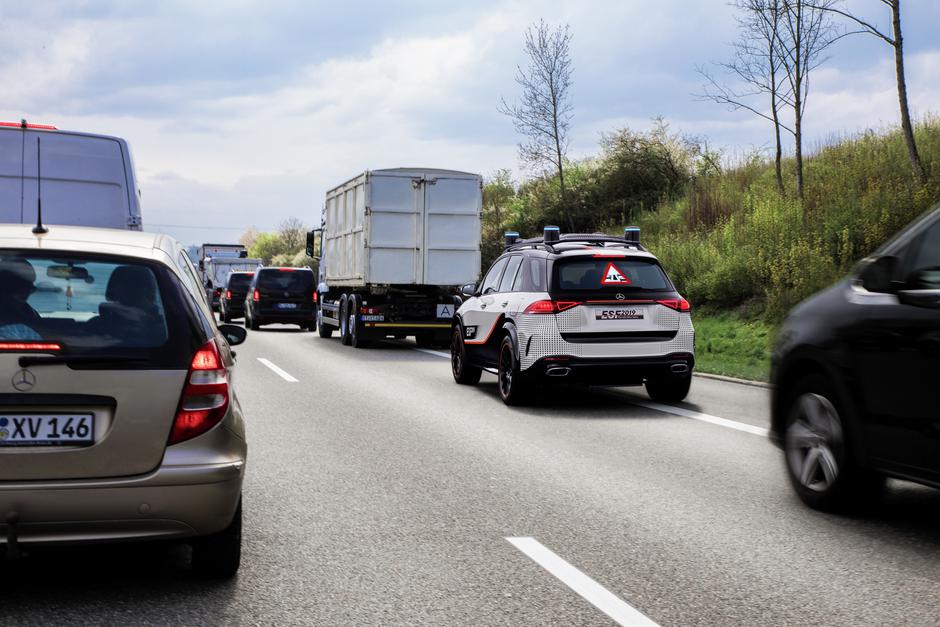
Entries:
{"x":118,"y":419}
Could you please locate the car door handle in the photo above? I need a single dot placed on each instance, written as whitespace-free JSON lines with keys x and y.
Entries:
{"x":482,"y":305}
{"x":504,"y":304}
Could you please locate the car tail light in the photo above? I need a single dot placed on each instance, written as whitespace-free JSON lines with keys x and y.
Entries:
{"x":679,"y":304}
{"x":314,"y":296}
{"x":43,"y":347}
{"x":228,"y":294}
{"x":218,"y":291}
{"x":205,"y":396}
{"x":550,"y":306}
{"x":38,"y":127}
{"x":256,"y":295}
{"x":370,"y":310}
{"x":288,"y":269}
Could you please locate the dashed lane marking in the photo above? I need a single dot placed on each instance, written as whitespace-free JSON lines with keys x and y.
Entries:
{"x":278,"y":371}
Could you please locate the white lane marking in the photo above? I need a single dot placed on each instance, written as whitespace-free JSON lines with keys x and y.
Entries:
{"x":694,"y":415}
{"x":278,"y":371}
{"x":594,"y":593}
{"x":435,"y":353}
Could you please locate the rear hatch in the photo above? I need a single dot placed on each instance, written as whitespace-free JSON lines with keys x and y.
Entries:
{"x":238,"y":288}
{"x":285,"y":290}
{"x":614,"y":298}
{"x":92,"y":364}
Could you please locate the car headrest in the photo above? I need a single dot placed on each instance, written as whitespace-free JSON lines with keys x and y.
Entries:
{"x":132,"y":285}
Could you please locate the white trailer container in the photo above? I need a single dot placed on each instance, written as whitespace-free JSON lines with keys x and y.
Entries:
{"x":87,"y":180}
{"x":396,"y":245}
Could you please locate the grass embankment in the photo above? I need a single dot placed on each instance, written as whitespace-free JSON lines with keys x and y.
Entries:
{"x":727,"y":344}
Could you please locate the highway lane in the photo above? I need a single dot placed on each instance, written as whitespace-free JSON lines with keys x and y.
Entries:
{"x":379,"y":492}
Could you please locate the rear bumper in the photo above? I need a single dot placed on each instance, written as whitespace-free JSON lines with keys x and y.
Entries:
{"x":180,"y":499}
{"x":291,"y":316}
{"x":621,"y":371}
{"x":234,"y":308}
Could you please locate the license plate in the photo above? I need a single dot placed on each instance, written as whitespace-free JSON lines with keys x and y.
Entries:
{"x":46,"y":429}
{"x":287,"y":305}
{"x":372,"y":318}
{"x":618,"y":314}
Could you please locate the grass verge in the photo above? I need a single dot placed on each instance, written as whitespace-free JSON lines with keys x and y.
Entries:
{"x":727,"y":344}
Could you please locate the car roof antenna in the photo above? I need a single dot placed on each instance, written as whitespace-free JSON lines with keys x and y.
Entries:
{"x":39,"y":229}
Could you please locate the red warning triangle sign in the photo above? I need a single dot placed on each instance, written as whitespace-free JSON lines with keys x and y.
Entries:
{"x":613,"y":276}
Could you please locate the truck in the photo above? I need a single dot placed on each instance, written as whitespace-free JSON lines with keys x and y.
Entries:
{"x":394,"y":247}
{"x":86,"y":179}
{"x":215,"y":263}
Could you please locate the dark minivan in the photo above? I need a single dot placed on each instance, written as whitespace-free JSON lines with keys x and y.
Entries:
{"x":281,"y":295}
{"x":232,"y":299}
{"x":855,"y":376}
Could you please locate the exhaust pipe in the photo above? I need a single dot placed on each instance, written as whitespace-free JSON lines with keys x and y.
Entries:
{"x":679,"y":368}
{"x":558,"y":371}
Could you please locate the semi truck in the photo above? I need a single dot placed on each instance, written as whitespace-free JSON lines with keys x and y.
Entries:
{"x":215,"y":263}
{"x":394,"y":247}
{"x":87,"y":179}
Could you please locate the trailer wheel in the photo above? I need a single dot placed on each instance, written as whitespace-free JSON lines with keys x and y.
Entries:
{"x":323,"y":330}
{"x":343,"y":321}
{"x":355,"y":325}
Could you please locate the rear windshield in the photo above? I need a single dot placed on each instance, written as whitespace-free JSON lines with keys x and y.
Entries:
{"x":239,"y":281}
{"x":610,"y":274}
{"x":287,"y":280}
{"x":95,"y":305}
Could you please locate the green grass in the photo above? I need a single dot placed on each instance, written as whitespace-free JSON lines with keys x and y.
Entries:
{"x":727,"y":344}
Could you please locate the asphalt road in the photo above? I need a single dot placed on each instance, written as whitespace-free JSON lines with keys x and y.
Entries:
{"x":380,"y":492}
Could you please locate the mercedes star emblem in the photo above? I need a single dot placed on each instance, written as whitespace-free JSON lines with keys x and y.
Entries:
{"x":24,"y":380}
{"x":620,"y":296}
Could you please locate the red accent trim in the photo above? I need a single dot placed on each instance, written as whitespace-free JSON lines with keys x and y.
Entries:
{"x":39,"y":127}
{"x":591,"y":302}
{"x":488,"y":335}
{"x":679,"y":304}
{"x":30,"y":346}
{"x":610,"y":256}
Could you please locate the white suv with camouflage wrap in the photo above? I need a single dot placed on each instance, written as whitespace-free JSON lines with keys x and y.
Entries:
{"x":593,"y":309}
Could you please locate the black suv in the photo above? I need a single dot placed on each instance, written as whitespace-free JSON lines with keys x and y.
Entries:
{"x":281,"y":295}
{"x":855,"y":376}
{"x":232,"y":299}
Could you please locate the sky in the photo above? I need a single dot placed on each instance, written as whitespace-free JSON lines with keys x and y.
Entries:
{"x":241,"y":114}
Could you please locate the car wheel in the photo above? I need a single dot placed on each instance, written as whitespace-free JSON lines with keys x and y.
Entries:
{"x":514,"y":388}
{"x":463,"y":372}
{"x":323,"y":330}
{"x":254,"y":325}
{"x":818,"y":457}
{"x":355,"y":326}
{"x":669,"y":389}
{"x":218,"y":556}
{"x":225,"y":317}
{"x":344,"y":321}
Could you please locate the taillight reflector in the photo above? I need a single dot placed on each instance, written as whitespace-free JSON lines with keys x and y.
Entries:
{"x":256,"y":296}
{"x":204,"y":400}
{"x":30,"y":346}
{"x":228,"y":294}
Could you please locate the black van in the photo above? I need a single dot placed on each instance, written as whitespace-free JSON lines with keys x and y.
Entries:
{"x":281,"y":295}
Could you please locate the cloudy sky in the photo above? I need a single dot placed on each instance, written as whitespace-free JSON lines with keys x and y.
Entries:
{"x":243,"y":113}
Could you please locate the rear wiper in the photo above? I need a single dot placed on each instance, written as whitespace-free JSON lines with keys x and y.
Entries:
{"x":54,"y":360}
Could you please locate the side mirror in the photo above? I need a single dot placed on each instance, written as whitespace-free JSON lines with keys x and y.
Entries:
{"x":877,"y":275}
{"x":234,"y":335}
{"x":202,"y":265}
{"x":469,"y":290}
{"x":312,"y":243}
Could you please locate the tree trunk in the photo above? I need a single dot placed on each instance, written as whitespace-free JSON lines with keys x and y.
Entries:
{"x":778,"y":155}
{"x":798,"y":99}
{"x":908,"y":129}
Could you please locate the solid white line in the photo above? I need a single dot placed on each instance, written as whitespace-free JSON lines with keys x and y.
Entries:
{"x":435,"y":353}
{"x":279,"y":372}
{"x":594,"y":593}
{"x":694,"y":415}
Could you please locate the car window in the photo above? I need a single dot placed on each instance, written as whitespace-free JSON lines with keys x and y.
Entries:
{"x":593,"y":274}
{"x":509,"y":276}
{"x":94,"y":304}
{"x":195,"y":285}
{"x":531,"y":278}
{"x":239,"y":281}
{"x":492,"y":277}
{"x":925,"y":260}
{"x":285,"y":279}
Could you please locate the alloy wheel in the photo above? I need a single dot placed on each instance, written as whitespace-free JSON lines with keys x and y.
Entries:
{"x":456,"y":356}
{"x":814,"y":442}
{"x":505,"y":371}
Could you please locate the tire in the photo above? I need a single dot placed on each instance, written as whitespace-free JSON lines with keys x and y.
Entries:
{"x":353,"y":323}
{"x":514,"y":387}
{"x":669,"y":389}
{"x":218,"y":556}
{"x":820,"y":462}
{"x":343,"y":321}
{"x":225,"y":317}
{"x":323,"y":330}
{"x":464,"y":373}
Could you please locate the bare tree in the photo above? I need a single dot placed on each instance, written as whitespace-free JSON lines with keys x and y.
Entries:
{"x":543,"y":113}
{"x":896,"y":41}
{"x":806,"y":31}
{"x":293,"y":234}
{"x":756,"y":64}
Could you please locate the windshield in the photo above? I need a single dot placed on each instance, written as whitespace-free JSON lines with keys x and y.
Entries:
{"x":239,"y":282}
{"x":89,"y":305}
{"x":609,"y":274}
{"x":288,"y":280}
